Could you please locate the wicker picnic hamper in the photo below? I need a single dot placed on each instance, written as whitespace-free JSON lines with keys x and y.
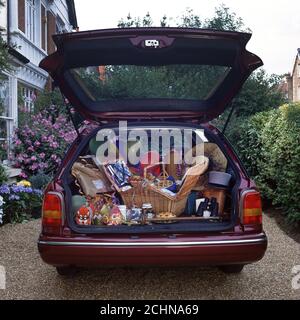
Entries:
{"x":161,"y":200}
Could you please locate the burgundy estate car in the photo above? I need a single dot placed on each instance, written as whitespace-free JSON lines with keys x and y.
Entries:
{"x":125,"y":196}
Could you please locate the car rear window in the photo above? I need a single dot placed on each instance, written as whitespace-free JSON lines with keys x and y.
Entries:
{"x":182,"y":81}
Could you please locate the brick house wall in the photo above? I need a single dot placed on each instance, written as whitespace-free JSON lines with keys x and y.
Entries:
{"x":51,"y":27}
{"x":21,"y":15}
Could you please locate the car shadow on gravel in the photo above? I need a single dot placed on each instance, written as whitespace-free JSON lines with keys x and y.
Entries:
{"x":150,"y":283}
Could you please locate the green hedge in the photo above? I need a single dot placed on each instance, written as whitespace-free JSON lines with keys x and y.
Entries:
{"x":269,"y":145}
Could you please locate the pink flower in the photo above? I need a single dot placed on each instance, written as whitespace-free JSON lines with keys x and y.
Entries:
{"x":20,"y":158}
{"x":33,"y":158}
{"x":54,"y":145}
{"x":23,"y":175}
{"x":42,"y":155}
{"x":34,"y":166}
{"x":41,"y":165}
{"x":37,"y":143}
{"x":18,"y":142}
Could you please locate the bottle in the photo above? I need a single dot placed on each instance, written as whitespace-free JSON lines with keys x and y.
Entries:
{"x":147,"y":212}
{"x":214,"y":207}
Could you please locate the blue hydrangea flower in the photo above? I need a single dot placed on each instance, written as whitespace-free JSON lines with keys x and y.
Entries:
{"x":4,"y":189}
{"x":14,"y":197}
{"x":28,"y":190}
{"x":17,"y":189}
{"x":38,"y":192}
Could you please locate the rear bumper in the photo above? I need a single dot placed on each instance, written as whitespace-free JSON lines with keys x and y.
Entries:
{"x":60,"y":252}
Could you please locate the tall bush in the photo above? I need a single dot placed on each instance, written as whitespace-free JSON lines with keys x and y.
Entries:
{"x":269,"y":145}
{"x":245,"y":134}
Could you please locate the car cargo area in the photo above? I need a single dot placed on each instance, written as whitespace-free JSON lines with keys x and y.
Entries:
{"x":172,"y":180}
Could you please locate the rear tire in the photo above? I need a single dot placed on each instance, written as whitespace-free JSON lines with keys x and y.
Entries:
{"x":232,"y":268}
{"x":66,"y":271}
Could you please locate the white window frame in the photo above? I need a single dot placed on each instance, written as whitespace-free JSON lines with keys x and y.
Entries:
{"x":31,"y":19}
{"x":27,"y":93}
{"x":46,"y":28}
{"x":10,"y":121}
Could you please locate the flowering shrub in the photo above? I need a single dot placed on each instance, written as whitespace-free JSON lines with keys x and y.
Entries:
{"x":41,"y":144}
{"x":18,"y":202}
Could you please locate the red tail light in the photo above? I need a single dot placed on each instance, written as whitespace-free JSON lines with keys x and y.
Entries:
{"x":53,"y":213}
{"x":251,"y":208}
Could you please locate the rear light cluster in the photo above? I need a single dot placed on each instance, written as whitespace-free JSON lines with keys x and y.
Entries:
{"x":53,"y":213}
{"x":251,"y":207}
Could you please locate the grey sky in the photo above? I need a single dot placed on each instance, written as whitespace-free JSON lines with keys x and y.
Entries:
{"x":275,"y":24}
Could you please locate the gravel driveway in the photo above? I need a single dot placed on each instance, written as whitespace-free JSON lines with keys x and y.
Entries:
{"x":29,"y":278}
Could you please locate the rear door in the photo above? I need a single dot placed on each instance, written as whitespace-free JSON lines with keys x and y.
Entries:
{"x":151,"y":73}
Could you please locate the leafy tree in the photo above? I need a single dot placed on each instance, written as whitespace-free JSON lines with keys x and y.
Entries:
{"x":224,"y":19}
{"x":189,"y":20}
{"x":129,"y":22}
{"x":258,"y":94}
